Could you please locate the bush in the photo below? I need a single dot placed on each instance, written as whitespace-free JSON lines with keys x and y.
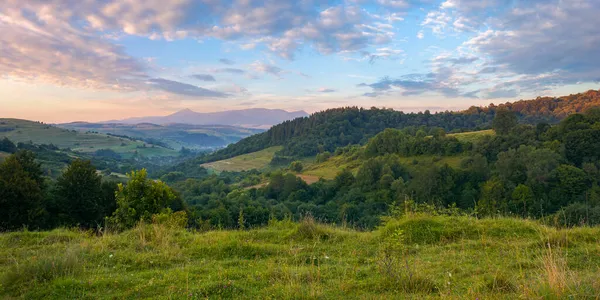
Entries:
{"x":296,"y":166}
{"x":323,"y":157}
{"x":170,"y":219}
{"x":140,"y":199}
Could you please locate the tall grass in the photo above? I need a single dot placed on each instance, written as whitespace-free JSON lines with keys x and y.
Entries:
{"x":415,"y":256}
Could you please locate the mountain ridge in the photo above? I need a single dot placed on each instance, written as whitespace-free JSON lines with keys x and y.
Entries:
{"x":262,"y":118}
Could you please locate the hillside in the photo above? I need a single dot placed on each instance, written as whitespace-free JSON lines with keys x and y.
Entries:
{"x":251,"y":118}
{"x":333,"y":128}
{"x":23,"y":131}
{"x":350,"y":161}
{"x":256,"y":160}
{"x":174,"y":136}
{"x":413,"y":257}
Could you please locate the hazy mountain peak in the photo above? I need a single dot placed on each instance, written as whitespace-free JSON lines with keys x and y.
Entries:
{"x":252,"y":117}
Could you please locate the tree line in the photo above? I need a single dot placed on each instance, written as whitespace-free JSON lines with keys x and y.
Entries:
{"x":548,"y":172}
{"x":78,"y":197}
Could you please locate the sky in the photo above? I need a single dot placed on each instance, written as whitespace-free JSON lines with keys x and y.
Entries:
{"x":94,"y":60}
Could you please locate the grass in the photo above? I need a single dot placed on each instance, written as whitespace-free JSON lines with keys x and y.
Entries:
{"x":472,"y":136}
{"x":25,"y":131}
{"x":330,"y":168}
{"x":428,"y":257}
{"x":256,"y":160}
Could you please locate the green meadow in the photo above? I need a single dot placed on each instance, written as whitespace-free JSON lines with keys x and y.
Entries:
{"x":256,"y":160}
{"x":413,"y":257}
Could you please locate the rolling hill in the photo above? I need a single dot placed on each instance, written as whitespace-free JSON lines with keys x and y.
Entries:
{"x":23,"y":131}
{"x":251,"y":118}
{"x":174,"y":136}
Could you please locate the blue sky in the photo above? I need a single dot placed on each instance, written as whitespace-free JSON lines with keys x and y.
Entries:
{"x":66,"y":60}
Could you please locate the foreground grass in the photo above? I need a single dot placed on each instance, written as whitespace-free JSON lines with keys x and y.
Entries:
{"x":255,"y":160}
{"x":416,"y":257}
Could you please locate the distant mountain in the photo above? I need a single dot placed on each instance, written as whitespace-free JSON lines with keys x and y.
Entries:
{"x":251,"y":118}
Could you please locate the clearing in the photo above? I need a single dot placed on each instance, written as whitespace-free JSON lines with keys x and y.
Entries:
{"x":255,"y":160}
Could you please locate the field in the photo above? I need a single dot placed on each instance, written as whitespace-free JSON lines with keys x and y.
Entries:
{"x":330,"y":168}
{"x":256,"y":160}
{"x":416,"y":257}
{"x":472,"y":136}
{"x":38,"y":133}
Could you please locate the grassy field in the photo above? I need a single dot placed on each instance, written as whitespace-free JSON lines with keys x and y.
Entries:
{"x":330,"y":168}
{"x":417,"y":257}
{"x":256,"y":160}
{"x":38,"y":133}
{"x":472,"y":136}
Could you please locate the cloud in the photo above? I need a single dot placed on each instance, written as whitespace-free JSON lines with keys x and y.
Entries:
{"x":227,"y":61}
{"x":461,"y":60}
{"x":41,"y":46}
{"x":326,"y":90}
{"x":420,"y":35}
{"x":493,"y":94}
{"x":557,"y":39}
{"x":442,"y":82}
{"x":265,"y":68}
{"x":72,"y":42}
{"x":230,"y":71}
{"x":204,"y":77}
{"x":185,"y":89}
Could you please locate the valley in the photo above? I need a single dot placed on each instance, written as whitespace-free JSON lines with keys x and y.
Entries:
{"x":343,"y":203}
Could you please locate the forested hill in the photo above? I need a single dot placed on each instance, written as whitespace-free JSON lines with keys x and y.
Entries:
{"x":332,"y":128}
{"x":545,"y":109}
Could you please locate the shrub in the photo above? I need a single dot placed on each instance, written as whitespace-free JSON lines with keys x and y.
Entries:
{"x":296,"y":166}
{"x":140,"y":199}
{"x":170,"y":219}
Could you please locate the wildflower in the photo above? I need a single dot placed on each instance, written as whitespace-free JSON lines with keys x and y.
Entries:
{"x":449,"y":274}
{"x":110,"y":256}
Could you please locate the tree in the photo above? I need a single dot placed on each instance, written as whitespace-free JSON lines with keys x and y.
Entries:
{"x":21,"y":192}
{"x":141,"y":198}
{"x":323,"y":157}
{"x":492,"y":195}
{"x":79,"y":194}
{"x":7,"y":146}
{"x":504,"y":121}
{"x":296,"y":166}
{"x":522,"y":200}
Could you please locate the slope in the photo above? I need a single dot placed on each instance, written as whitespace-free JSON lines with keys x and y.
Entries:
{"x":23,"y":131}
{"x":255,"y":160}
